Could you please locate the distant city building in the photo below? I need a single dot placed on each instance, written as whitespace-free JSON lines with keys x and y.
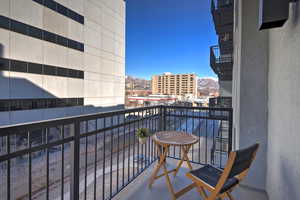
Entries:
{"x":175,"y":84}
{"x":151,"y":100}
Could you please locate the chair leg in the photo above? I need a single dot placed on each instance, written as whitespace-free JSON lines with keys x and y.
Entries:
{"x":161,"y":162}
{"x":202,"y":192}
{"x":223,"y":196}
{"x":228,"y":194}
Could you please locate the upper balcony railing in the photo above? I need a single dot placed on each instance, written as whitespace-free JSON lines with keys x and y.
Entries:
{"x":226,"y":43}
{"x":221,"y":63}
{"x":96,"y":156}
{"x":220,"y":102}
{"x":222,"y":12}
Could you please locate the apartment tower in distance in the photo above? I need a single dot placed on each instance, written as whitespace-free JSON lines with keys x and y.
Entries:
{"x":175,"y":84}
{"x":60,"y":58}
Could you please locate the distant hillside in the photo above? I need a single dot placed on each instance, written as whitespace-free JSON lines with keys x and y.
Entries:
{"x":137,"y":83}
{"x":207,"y":82}
{"x":207,"y":86}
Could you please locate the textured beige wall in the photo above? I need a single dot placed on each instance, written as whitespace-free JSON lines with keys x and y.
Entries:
{"x":250,"y":86}
{"x":225,"y":88}
{"x":283,"y":177}
{"x":266,"y":99}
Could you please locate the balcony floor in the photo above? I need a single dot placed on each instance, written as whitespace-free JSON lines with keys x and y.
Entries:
{"x":138,"y":189}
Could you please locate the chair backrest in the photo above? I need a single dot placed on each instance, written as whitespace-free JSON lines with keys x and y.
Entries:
{"x":243,"y":160}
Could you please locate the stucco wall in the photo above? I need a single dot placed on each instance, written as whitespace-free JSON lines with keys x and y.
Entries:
{"x":283,"y":177}
{"x":225,"y":88}
{"x":250,"y":87}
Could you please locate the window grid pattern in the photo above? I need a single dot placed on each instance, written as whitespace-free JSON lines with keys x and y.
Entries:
{"x":31,"y":31}
{"x":35,"y":68}
{"x":61,"y":10}
{"x":7,"y":105}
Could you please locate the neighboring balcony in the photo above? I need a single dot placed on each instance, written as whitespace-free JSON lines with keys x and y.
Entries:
{"x":226,"y":43}
{"x":221,"y":64}
{"x":220,"y":102}
{"x":222,"y":12}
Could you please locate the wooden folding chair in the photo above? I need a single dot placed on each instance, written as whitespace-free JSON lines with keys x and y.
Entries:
{"x":220,"y":183}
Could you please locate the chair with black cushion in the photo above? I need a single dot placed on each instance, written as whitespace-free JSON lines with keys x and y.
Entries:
{"x":220,"y":183}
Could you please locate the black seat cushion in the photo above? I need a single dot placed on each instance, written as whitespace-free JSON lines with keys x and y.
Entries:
{"x":211,"y":176}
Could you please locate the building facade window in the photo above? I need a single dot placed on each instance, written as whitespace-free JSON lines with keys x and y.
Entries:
{"x":7,"y":105}
{"x":25,"y":29}
{"x":35,"y":68}
{"x":61,"y":10}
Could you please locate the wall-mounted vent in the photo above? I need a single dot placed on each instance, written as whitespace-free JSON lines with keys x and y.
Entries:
{"x":273,"y":13}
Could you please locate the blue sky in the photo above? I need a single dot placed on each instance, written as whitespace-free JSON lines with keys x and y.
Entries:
{"x":168,"y":36}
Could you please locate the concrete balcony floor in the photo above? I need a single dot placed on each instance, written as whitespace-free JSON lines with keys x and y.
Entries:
{"x":138,"y":189}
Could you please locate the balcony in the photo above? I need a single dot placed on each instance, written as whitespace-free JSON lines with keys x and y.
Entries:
{"x":96,"y":156}
{"x":220,"y":102}
{"x":222,"y":12}
{"x":226,"y":43}
{"x":221,"y":63}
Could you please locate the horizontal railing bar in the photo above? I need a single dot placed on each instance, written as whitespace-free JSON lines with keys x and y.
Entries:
{"x":199,"y":108}
{"x":68,"y":120}
{"x":116,"y":126}
{"x":199,"y":117}
{"x":20,"y":128}
{"x":6,"y":130}
{"x":35,"y":149}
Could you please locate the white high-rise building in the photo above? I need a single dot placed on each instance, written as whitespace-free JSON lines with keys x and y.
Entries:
{"x":60,"y":58}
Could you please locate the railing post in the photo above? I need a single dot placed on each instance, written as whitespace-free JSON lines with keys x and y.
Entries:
{"x":75,"y":153}
{"x":160,"y":123}
{"x":230,"y":138}
{"x":162,"y":118}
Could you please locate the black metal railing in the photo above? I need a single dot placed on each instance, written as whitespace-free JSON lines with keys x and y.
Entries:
{"x":221,"y":64}
{"x":226,"y":43}
{"x":222,"y":12}
{"x":217,"y":57}
{"x":220,"y":102}
{"x":96,"y":156}
{"x":199,"y":121}
{"x":219,"y":4}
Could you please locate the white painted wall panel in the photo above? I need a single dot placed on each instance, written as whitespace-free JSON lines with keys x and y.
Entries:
{"x":27,"y":12}
{"x":77,"y":6}
{"x":55,"y":22}
{"x":284,"y":109}
{"x":76,"y":31}
{"x":24,"y":85}
{"x":5,"y":7}
{"x":75,"y":59}
{"x":5,"y":43}
{"x":26,"y":48}
{"x":55,"y":55}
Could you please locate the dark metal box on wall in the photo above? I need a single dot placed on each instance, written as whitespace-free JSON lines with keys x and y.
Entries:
{"x":273,"y":13}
